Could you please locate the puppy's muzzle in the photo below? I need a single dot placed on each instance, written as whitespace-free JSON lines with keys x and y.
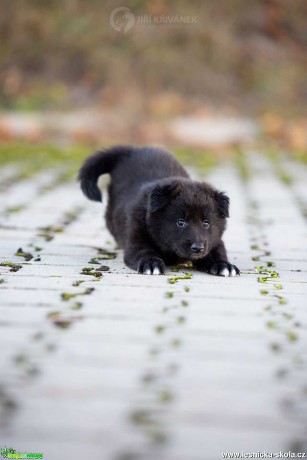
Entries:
{"x":197,"y":248}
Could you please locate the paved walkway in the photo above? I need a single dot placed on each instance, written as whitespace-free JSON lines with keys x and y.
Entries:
{"x":100,"y":362}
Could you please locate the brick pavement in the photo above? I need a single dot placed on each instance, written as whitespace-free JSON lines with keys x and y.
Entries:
{"x":127,"y":366}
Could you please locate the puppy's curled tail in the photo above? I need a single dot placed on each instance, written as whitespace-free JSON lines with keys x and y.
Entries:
{"x":102,"y":162}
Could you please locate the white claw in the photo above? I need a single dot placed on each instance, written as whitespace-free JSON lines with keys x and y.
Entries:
{"x":156,"y":271}
{"x":148,"y":272}
{"x":225,"y":272}
{"x":233,"y":272}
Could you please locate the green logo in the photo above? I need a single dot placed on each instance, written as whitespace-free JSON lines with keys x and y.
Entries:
{"x":8,"y":452}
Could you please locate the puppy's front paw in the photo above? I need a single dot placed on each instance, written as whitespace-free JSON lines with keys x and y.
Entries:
{"x":224,"y":269}
{"x":151,"y":266}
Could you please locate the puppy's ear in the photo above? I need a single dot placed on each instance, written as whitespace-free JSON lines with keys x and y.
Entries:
{"x":162,"y":194}
{"x":222,"y":203}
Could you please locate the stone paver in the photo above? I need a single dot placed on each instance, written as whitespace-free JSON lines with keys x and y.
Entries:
{"x":127,"y":366}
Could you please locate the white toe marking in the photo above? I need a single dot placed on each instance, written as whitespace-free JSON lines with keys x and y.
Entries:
{"x":225,"y":272}
{"x":148,"y":272}
{"x":156,"y":271}
{"x":233,"y":272}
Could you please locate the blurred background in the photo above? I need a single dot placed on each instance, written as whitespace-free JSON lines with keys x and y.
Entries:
{"x":211,"y":81}
{"x":202,"y":73}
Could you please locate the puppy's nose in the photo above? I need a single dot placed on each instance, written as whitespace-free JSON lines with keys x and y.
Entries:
{"x":197,"y":247}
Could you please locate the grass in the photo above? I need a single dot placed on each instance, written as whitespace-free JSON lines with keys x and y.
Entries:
{"x":77,"y":282}
{"x":201,"y":159}
{"x":26,"y":255}
{"x":174,"y":279}
{"x":292,"y":336}
{"x":300,"y":155}
{"x":40,"y":156}
{"x":46,"y":155}
{"x":90,"y":271}
{"x":13,"y":267}
{"x":241,"y":162}
{"x":66,"y":296}
{"x":15,"y":209}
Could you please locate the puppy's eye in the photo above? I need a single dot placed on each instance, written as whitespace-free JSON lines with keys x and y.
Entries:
{"x":181,"y":223}
{"x":206,"y":223}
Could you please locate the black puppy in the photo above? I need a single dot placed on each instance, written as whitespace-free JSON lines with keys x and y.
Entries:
{"x":156,"y":213}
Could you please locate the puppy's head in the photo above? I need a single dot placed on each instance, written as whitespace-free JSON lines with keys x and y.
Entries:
{"x":185,"y":217}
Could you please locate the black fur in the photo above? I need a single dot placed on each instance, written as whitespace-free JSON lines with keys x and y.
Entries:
{"x":149,"y":195}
